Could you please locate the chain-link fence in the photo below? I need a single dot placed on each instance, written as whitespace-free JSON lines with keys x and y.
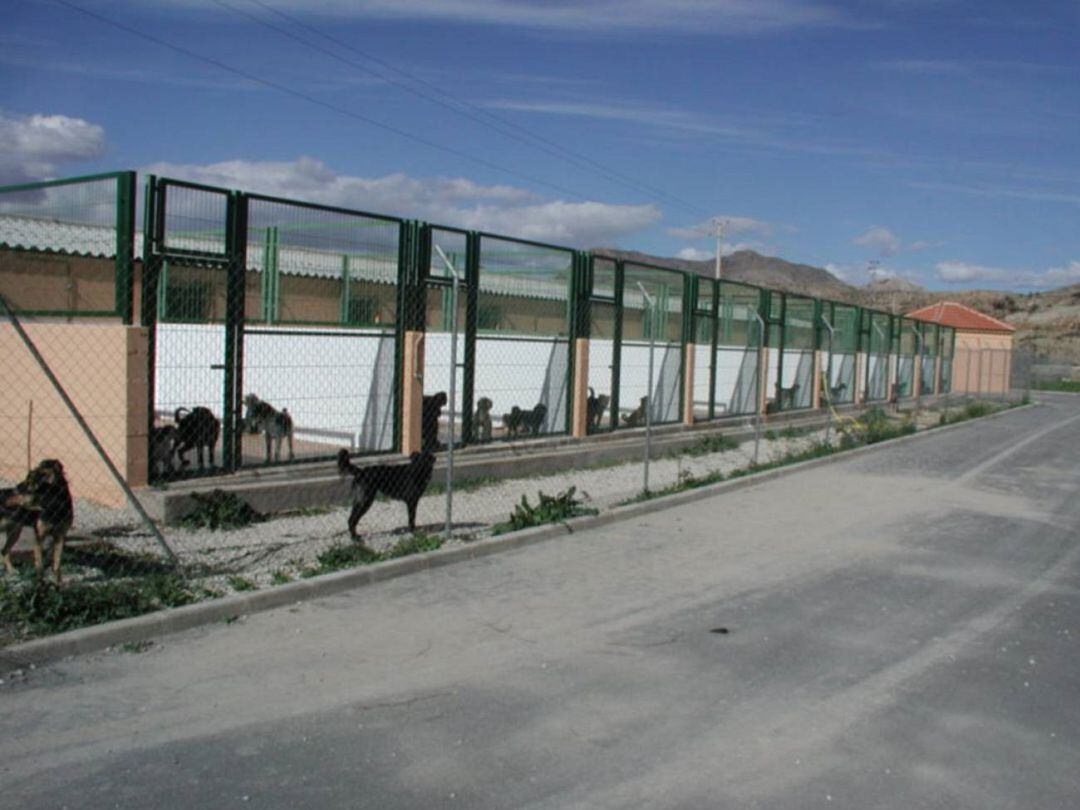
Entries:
{"x":278,"y":389}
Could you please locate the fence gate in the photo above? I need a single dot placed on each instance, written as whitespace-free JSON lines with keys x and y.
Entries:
{"x":193,"y":294}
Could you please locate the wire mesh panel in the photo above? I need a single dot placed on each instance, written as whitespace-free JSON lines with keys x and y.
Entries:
{"x":928,"y":361}
{"x":907,"y":343}
{"x":738,"y":349}
{"x":66,"y":246}
{"x":449,"y":255}
{"x":796,"y":384}
{"x":319,"y":341}
{"x":704,"y":326}
{"x":652,"y":313}
{"x":189,"y":235}
{"x":602,"y":336}
{"x":879,"y":343}
{"x":840,"y":347}
{"x":523,"y":336}
{"x":948,"y":336}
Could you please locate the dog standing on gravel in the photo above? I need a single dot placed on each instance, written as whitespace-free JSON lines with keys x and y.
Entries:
{"x":402,"y":482}
{"x":42,"y":500}
{"x":275,"y":425}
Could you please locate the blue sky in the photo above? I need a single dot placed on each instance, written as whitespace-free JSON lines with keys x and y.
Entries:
{"x":937,"y":140}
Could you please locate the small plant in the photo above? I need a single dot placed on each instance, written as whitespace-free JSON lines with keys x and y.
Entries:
{"x":343,"y":556}
{"x":717,"y":443}
{"x":280,"y":577}
{"x":417,"y":544}
{"x":238,"y":583}
{"x":549,"y":509}
{"x":218,"y":509}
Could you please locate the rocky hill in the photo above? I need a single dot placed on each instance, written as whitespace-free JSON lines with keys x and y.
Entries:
{"x":1047,"y":323}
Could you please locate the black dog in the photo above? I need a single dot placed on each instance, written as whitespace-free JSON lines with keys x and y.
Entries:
{"x":429,"y":420}
{"x":197,"y":428}
{"x":42,"y":500}
{"x":402,"y":482}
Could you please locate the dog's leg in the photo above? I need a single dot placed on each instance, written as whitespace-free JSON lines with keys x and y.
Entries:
{"x":12,"y":539}
{"x":411,"y":506}
{"x":38,"y":565}
{"x":269,"y":442}
{"x":289,"y":436}
{"x":363,"y":499}
{"x":57,"y":553}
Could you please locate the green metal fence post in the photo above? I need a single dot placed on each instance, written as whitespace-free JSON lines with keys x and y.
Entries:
{"x":125,"y":245}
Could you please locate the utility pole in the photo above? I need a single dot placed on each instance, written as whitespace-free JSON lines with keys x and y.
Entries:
{"x":719,"y":240}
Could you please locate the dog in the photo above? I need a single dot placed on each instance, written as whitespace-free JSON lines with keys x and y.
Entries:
{"x":482,"y":420}
{"x":519,"y":422}
{"x":163,"y":442}
{"x":197,"y":428}
{"x":402,"y":482}
{"x":429,"y":420}
{"x":636,"y":417}
{"x":42,"y":500}
{"x":275,"y":425}
{"x":595,"y":407}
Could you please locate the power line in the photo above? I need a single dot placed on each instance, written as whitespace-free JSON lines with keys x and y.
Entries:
{"x":464,"y":108}
{"x":282,"y":88}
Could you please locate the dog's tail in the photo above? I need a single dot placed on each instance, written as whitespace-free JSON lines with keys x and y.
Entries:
{"x":592,"y":394}
{"x":345,"y":467}
{"x":178,"y":414}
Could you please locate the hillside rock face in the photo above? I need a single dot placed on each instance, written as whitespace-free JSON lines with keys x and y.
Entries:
{"x":1047,"y":323}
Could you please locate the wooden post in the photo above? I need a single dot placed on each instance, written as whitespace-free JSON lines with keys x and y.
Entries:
{"x":579,"y":424}
{"x":412,"y":393}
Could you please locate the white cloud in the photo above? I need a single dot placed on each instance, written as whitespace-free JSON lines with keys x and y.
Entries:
{"x":32,"y":147}
{"x":695,"y":255}
{"x":1056,"y":276}
{"x":924,"y":244}
{"x":957,"y":272}
{"x":446,"y":201}
{"x":688,"y":16}
{"x":879,"y":239}
{"x":733,"y":226}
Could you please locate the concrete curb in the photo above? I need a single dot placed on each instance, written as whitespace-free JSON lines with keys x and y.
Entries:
{"x":175,"y":620}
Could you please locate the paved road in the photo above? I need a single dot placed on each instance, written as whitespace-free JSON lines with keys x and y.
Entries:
{"x":902,"y":633}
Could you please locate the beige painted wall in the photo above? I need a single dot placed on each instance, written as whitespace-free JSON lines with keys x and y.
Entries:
{"x":982,"y":363}
{"x":102,"y":366}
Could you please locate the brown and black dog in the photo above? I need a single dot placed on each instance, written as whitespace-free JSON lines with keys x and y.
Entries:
{"x":275,"y":425}
{"x":402,"y":482}
{"x":43,"y":501}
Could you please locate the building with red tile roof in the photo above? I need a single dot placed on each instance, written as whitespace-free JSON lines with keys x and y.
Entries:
{"x":982,"y":355}
{"x":960,"y":317}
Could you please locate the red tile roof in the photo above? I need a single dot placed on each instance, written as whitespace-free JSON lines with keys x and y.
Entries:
{"x":949,"y":313}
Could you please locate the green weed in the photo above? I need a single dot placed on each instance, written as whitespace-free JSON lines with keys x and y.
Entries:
{"x":548,"y":509}
{"x":218,"y":509}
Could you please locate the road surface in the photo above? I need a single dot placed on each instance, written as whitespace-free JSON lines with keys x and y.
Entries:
{"x":902,"y":632}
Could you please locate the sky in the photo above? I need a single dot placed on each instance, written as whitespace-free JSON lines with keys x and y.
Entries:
{"x":933,"y":140}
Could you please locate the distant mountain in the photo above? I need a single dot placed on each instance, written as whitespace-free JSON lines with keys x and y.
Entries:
{"x":753,"y":268}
